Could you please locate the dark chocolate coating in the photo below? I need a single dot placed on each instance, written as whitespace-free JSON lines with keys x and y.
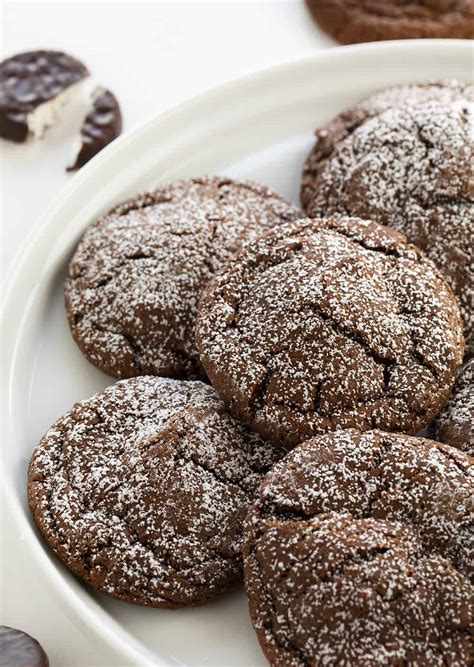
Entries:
{"x":17,"y":649}
{"x":30,"y":79}
{"x":102,"y":125}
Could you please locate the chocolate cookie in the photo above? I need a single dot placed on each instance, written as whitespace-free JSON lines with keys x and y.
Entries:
{"x":17,"y":649}
{"x":359,"y":551}
{"x":455,"y":424}
{"x":32,"y":87}
{"x":327,"y":324}
{"x":353,"y":21}
{"x":142,"y":490}
{"x":410,"y":168}
{"x":137,"y":275}
{"x":344,"y":124}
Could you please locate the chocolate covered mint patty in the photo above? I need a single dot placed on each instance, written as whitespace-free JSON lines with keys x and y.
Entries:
{"x":137,"y":275}
{"x":409,"y":167}
{"x":141,"y":491}
{"x":33,"y":85}
{"x":353,"y":21}
{"x":455,"y":423}
{"x":328,"y":324}
{"x":18,"y":649}
{"x":102,"y":124}
{"x":359,"y":551}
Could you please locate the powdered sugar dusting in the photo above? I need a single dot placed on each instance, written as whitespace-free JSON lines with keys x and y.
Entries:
{"x":141,"y":490}
{"x":345,"y":123}
{"x":455,"y":423}
{"x":410,"y":167}
{"x":325,"y":324}
{"x":359,"y":550}
{"x":137,"y":275}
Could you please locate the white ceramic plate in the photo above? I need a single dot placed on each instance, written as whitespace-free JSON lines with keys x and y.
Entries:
{"x":258,"y":127}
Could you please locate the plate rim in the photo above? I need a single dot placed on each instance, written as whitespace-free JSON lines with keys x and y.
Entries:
{"x":70,"y":594}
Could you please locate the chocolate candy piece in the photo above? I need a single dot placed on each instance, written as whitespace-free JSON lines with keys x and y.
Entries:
{"x":32,"y":86}
{"x":102,"y":125}
{"x":17,"y":649}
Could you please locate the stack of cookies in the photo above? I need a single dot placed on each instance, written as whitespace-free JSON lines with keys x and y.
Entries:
{"x":275,"y":366}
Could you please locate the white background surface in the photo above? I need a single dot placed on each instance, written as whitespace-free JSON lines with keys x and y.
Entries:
{"x":152,"y":55}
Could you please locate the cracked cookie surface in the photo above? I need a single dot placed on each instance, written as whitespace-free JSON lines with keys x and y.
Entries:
{"x":327,"y":136}
{"x":353,"y":21}
{"x":359,"y":550}
{"x":327,"y":324}
{"x":455,"y":423}
{"x":141,"y":491}
{"x":410,"y":168}
{"x":136,"y":277}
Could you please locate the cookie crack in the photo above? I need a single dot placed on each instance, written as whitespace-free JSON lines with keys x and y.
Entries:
{"x":451,"y":457}
{"x":385,"y":447}
{"x":131,"y":342}
{"x":354,"y":336}
{"x":257,"y":399}
{"x":179,"y":456}
{"x":429,"y":145}
{"x":349,"y":560}
{"x":379,"y":249}
{"x":111,"y":272}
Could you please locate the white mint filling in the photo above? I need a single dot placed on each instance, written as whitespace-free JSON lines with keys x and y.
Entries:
{"x":46,"y":114}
